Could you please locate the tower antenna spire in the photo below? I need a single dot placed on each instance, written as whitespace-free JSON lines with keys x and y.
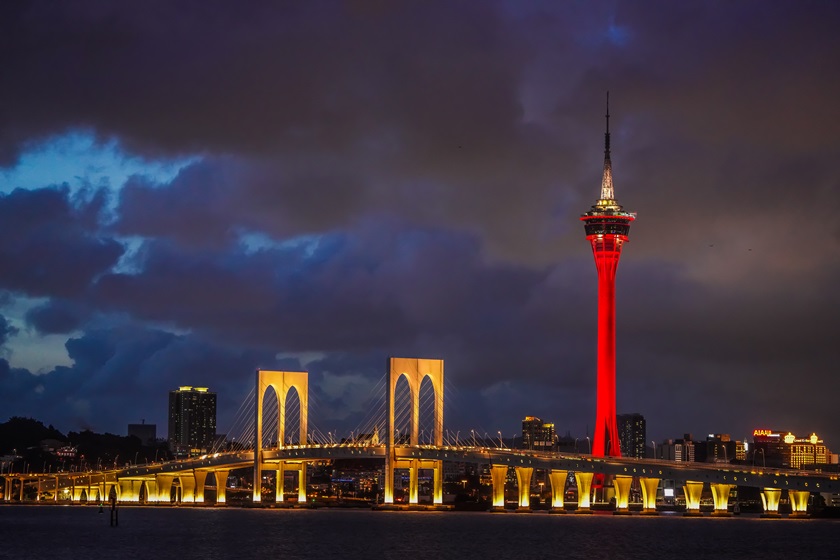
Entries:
{"x":607,"y":189}
{"x":607,"y":135}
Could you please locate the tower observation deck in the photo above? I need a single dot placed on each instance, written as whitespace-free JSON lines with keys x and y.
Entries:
{"x":607,"y":227}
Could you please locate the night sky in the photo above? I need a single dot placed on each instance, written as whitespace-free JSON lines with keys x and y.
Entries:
{"x":193,"y":190}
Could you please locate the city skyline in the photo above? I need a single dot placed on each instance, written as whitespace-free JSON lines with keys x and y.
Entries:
{"x":187,"y":195}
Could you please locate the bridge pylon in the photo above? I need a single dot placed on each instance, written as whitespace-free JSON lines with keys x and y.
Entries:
{"x":281,"y":382}
{"x":415,"y":370}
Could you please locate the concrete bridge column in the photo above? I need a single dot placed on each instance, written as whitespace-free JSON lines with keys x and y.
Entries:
{"x":584,"y":489}
{"x":164,"y":488}
{"x":413,"y":487}
{"x":498,"y":473}
{"x":558,"y":489}
{"x":523,"y":480}
{"x":649,"y":486}
{"x":130,"y":490}
{"x":799,"y":502}
{"x":622,"y":485}
{"x":187,"y":488}
{"x":221,"y":486}
{"x":279,"y":483}
{"x":720,"y":494}
{"x":55,"y":494}
{"x":75,"y":490}
{"x":693,"y":490}
{"x":106,"y":494}
{"x":151,"y":491}
{"x":437,"y":475}
{"x":302,"y":483}
{"x":200,"y":479}
{"x":7,"y":489}
{"x":770,"y":502}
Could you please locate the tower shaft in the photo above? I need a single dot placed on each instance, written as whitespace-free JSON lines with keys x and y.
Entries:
{"x":607,"y":251}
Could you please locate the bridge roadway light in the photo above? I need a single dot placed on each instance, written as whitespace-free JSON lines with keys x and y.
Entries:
{"x":501,"y":444}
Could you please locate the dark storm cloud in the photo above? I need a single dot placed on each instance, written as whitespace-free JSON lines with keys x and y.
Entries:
{"x":6,"y":330}
{"x":50,"y":244}
{"x":123,"y":374}
{"x":56,"y":317}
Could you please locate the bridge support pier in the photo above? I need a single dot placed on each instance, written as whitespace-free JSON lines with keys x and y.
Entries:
{"x":720,"y":495}
{"x":106,"y":494}
{"x":413,"y":490}
{"x":187,"y":488}
{"x":622,"y":484}
{"x":221,"y":486}
{"x":437,"y":475}
{"x":584,"y":489}
{"x":693,"y":490}
{"x":770,"y":500}
{"x":279,"y":483}
{"x":649,"y":487}
{"x":498,"y":473}
{"x":200,"y":479}
{"x":558,"y":490}
{"x":523,"y":481}
{"x":7,"y":489}
{"x":130,"y":490}
{"x":799,"y":503}
{"x":164,"y":488}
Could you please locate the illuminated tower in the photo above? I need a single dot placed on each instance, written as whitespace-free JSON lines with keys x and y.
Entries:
{"x":607,"y":229}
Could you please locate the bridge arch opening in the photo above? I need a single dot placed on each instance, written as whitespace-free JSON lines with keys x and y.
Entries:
{"x":291,"y":410}
{"x":271,"y":419}
{"x":403,"y":400}
{"x":428,"y":428}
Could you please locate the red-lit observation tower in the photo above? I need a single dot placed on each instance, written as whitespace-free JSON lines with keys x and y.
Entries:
{"x":607,"y":229}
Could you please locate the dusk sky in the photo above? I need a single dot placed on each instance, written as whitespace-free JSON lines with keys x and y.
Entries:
{"x":193,"y":190}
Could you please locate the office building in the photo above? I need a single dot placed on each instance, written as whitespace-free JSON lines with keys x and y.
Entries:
{"x":146,"y":433}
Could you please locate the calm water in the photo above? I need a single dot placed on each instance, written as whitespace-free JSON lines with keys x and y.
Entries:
{"x":69,"y":532}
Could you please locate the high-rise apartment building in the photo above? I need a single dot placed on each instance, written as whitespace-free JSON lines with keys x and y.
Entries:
{"x":537,"y":435}
{"x":632,"y":435}
{"x":192,"y":420}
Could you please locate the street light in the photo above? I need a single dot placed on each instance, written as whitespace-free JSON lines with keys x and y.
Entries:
{"x":654,"y":448}
{"x":501,"y":444}
{"x":457,"y":433}
{"x":589,"y":441}
{"x":473,"y":436}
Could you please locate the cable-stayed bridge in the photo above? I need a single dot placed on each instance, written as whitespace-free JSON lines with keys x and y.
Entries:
{"x":405,"y":430}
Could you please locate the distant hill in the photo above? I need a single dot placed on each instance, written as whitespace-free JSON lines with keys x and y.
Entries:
{"x":22,"y":433}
